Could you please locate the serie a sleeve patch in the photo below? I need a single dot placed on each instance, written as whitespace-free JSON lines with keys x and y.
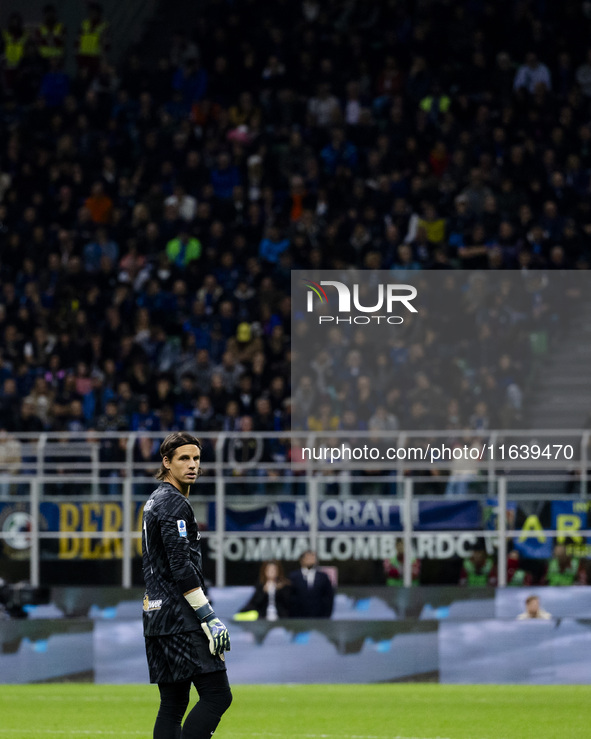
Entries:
{"x":182,"y":527}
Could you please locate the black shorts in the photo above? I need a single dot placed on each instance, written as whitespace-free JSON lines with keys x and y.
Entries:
{"x":177,"y":657}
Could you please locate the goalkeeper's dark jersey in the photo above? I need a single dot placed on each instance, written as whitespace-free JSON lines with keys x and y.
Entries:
{"x":171,"y":553}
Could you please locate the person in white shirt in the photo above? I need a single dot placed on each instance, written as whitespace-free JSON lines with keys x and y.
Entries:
{"x":531,"y":74}
{"x":533,"y":609}
{"x":270,"y":599}
{"x":323,"y":110}
{"x":186,"y":204}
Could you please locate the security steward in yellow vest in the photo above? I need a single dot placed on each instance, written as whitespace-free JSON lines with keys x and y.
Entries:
{"x":394,"y":567}
{"x":92,"y":39}
{"x":14,"y":38}
{"x":478,"y":570}
{"x":51,"y":35}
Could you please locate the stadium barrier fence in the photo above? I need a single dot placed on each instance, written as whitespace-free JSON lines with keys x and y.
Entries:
{"x":109,"y":468}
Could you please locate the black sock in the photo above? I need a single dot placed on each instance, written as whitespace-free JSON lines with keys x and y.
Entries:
{"x":174,"y":699}
{"x":214,"y":699}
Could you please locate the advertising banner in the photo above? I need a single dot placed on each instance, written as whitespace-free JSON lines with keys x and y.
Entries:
{"x":351,"y":515}
{"x":362,"y":528}
{"x":69,"y":518}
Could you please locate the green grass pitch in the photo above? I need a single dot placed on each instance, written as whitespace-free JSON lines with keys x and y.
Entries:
{"x":397,"y":711}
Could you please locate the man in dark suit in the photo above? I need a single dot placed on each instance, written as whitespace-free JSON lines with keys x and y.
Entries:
{"x":312,"y":594}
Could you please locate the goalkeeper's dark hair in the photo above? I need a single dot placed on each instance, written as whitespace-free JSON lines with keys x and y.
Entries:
{"x":171,"y":444}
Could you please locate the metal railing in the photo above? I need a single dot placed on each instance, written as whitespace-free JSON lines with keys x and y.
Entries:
{"x":43,"y":468}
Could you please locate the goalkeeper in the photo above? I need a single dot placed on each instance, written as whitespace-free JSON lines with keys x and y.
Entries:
{"x":185,"y":642}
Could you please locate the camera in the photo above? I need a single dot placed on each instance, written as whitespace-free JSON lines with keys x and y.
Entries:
{"x":15,"y":597}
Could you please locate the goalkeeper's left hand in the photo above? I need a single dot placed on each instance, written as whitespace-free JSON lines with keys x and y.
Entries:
{"x":215,"y":631}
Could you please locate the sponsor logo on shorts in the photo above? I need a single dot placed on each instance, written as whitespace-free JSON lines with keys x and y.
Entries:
{"x":152,"y":605}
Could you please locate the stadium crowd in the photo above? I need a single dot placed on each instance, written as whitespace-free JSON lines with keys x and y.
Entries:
{"x":151,"y":212}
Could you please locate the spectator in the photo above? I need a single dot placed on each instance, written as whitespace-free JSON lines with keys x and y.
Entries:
{"x":323,"y":109}
{"x":394,"y":567}
{"x":533,"y":609}
{"x":10,"y":461}
{"x":404,"y":259}
{"x":144,"y":419}
{"x":476,"y":192}
{"x":204,"y":418}
{"x":478,"y":569}
{"x":324,"y":419}
{"x":183,"y":249}
{"x":231,"y":420}
{"x":338,"y":153}
{"x":563,"y":569}
{"x":190,"y":80}
{"x":271,"y":598}
{"x":182,"y":48}
{"x":41,"y":397}
{"x":93,"y":41}
{"x":433,"y":225}
{"x":112,"y":449}
{"x":435,"y":104}
{"x":516,"y":575}
{"x":383,"y":420}
{"x":51,"y":35}
{"x":74,"y":422}
{"x":27,"y":420}
{"x":54,"y":89}
{"x":230,"y":371}
{"x":185,"y":204}
{"x":532,"y":75}
{"x":101,"y":247}
{"x":272,"y":246}
{"x":9,"y":404}
{"x":244,"y":453}
{"x":29,"y":74}
{"x":14,"y":38}
{"x":99,"y":204}
{"x":225,"y":177}
{"x":464,"y":470}
{"x":500,"y":170}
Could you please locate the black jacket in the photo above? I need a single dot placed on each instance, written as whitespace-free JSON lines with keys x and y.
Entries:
{"x":311,"y":602}
{"x":171,"y":561}
{"x":260,"y":601}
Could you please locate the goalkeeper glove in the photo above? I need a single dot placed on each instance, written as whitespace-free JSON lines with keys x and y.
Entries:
{"x":215,"y":631}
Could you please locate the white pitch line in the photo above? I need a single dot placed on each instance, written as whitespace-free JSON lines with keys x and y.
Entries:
{"x":337,"y":736}
{"x":357,"y":736}
{"x":87,"y":698}
{"x":72,"y":732}
{"x":100,"y":732}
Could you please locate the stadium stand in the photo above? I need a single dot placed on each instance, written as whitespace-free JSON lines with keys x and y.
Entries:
{"x":151,"y":212}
